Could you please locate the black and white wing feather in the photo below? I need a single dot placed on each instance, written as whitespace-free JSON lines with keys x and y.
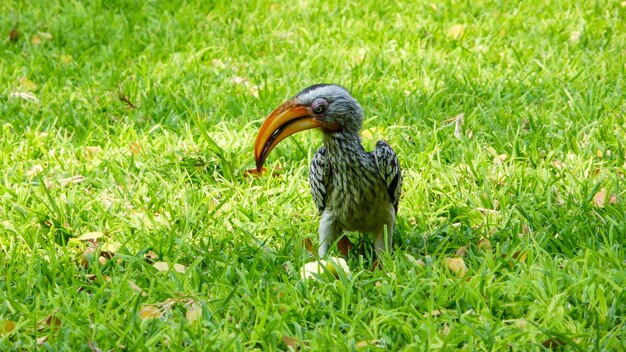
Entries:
{"x":319,"y":178}
{"x":389,"y":170}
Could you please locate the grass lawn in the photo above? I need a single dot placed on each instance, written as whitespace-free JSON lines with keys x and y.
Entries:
{"x":131,"y":123}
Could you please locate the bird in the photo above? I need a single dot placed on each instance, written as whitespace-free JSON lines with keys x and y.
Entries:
{"x":353,"y":190}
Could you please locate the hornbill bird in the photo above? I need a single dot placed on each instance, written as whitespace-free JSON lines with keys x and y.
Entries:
{"x":353,"y":190}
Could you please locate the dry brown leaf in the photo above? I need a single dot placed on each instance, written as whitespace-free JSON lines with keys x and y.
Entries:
{"x":66,"y":59}
{"x":93,"y":347}
{"x":90,"y":236}
{"x":599,"y":199}
{"x":371,"y":343}
{"x":291,"y":342}
{"x":163,"y":266}
{"x":499,"y":159}
{"x":194,"y":313}
{"x":92,"y":152}
{"x":456,"y":265}
{"x":459,"y":120}
{"x":417,"y":262}
{"x":72,"y":180}
{"x":484,"y":244}
{"x":276,"y":171}
{"x":445,"y":330}
{"x":553,"y":343}
{"x":41,"y":340}
{"x":14,"y":35}
{"x":34,"y":171}
{"x":434,"y":313}
{"x":150,"y":256}
{"x":150,"y":311}
{"x":87,"y":257}
{"x":51,"y":321}
{"x":462,"y":250}
{"x":27,"y":85}
{"x":6,"y":326}
{"x":558,"y":164}
{"x":28,"y":96}
{"x":456,"y":31}
{"x":136,"y":287}
{"x":135,"y":148}
{"x":344,"y":245}
{"x":308,"y":246}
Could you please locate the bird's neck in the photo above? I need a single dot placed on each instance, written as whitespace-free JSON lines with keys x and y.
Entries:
{"x":343,"y":142}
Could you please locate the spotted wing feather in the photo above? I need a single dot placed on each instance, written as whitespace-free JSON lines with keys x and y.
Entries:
{"x":389,"y":170}
{"x":319,"y":177}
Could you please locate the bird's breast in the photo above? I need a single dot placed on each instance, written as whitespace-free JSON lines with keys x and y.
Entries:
{"x":357,"y":196}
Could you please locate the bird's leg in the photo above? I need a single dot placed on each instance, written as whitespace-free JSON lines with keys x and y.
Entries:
{"x":329,"y":232}
{"x":382,"y":243}
{"x":383,"y":240}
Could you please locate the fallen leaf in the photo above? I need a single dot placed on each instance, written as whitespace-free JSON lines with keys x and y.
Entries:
{"x":553,"y":343}
{"x":14,"y":35}
{"x":41,"y":340}
{"x":28,"y":96}
{"x":93,"y":347}
{"x":599,"y":153}
{"x":194,"y":313}
{"x":72,"y":180}
{"x":180,"y":268}
{"x":291,"y":342}
{"x":150,"y":256}
{"x":484,"y":244}
{"x":150,"y":311}
{"x":344,"y":246}
{"x":333,"y":265}
{"x":445,"y":330}
{"x":456,"y":31}
{"x":90,"y":236}
{"x":163,"y":266}
{"x":462,"y":250}
{"x":45,"y":35}
{"x":66,"y":59}
{"x":92,"y":152}
{"x":558,"y":164}
{"x":135,"y":148}
{"x":27,"y":85}
{"x":434,"y":313}
{"x":456,"y":265}
{"x":574,"y":36}
{"x":34,"y":171}
{"x":459,"y":120}
{"x":499,"y":159}
{"x":136,"y":287}
{"x":87,"y":257}
{"x":276,"y":171}
{"x":308,"y":246}
{"x":35,"y":39}
{"x":51,"y":321}
{"x":599,"y":199}
{"x":415,"y":262}
{"x":6,"y":326}
{"x":367,"y":343}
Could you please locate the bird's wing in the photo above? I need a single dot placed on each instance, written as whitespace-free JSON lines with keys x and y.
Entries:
{"x":389,"y":170}
{"x":319,"y":178}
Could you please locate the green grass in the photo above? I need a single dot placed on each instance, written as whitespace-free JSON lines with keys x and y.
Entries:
{"x":156,"y":106}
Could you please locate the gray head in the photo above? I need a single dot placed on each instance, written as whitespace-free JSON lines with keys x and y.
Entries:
{"x":327,"y":107}
{"x":334,"y":104}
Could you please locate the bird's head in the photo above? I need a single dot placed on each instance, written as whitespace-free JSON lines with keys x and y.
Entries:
{"x":328,"y":107}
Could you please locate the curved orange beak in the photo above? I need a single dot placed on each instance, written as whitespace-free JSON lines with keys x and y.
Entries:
{"x":285,"y":120}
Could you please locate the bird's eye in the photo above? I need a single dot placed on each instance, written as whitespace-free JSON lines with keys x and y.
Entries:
{"x":319,"y":106}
